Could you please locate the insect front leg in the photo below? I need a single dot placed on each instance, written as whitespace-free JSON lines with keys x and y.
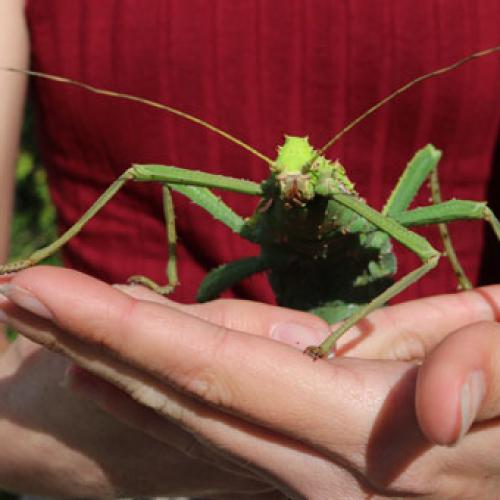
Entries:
{"x":220,"y":278}
{"x":414,"y":242}
{"x":424,"y":164}
{"x":191,"y":183}
{"x":52,"y":248}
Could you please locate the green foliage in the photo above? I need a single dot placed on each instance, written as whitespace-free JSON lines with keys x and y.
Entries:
{"x":33,"y":225}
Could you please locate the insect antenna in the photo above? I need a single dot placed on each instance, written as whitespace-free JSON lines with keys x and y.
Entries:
{"x":401,"y":90}
{"x":147,"y":102}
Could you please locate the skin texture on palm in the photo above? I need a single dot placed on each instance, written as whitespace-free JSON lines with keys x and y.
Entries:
{"x":351,"y":423}
{"x":92,"y":454}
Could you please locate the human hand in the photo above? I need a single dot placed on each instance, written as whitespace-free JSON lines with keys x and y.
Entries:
{"x":59,"y":444}
{"x":316,"y":429}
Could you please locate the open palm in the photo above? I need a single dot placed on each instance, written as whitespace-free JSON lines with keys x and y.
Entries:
{"x":370,"y":421}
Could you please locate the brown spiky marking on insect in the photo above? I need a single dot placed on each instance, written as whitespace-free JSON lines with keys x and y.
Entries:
{"x":314,"y":352}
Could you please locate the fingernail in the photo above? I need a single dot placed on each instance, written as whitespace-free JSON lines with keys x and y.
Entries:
{"x":297,"y":335}
{"x":25,"y":299}
{"x":471,"y":397}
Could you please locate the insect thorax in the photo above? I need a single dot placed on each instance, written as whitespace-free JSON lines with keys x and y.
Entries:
{"x":320,"y":254}
{"x":302,"y":174}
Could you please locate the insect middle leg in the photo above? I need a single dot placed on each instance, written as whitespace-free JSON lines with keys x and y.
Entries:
{"x":450,"y":211}
{"x":172,"y":276}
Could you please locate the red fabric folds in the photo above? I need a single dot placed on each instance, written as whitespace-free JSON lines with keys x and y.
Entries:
{"x":257,"y":69}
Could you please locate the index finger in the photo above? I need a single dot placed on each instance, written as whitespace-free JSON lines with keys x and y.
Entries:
{"x":251,"y":376}
{"x":297,"y":328}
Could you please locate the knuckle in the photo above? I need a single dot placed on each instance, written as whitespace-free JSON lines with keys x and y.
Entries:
{"x":208,"y":382}
{"x":409,"y":346}
{"x":111,"y":324}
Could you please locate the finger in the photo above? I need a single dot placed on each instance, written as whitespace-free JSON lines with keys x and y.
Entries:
{"x":136,"y":331}
{"x":141,"y":292}
{"x":125,"y":409}
{"x":459,"y":383}
{"x":409,"y":331}
{"x":296,"y":328}
{"x":149,"y":398}
{"x":237,"y":443}
{"x":28,"y":409}
{"x":95,"y":360}
{"x":229,"y":369}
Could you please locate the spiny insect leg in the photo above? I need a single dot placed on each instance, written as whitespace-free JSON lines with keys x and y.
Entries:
{"x":414,"y":242}
{"x":192,"y":184}
{"x":424,"y":165}
{"x":449,"y":211}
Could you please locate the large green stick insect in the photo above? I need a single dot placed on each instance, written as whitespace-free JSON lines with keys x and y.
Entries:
{"x":324,"y":248}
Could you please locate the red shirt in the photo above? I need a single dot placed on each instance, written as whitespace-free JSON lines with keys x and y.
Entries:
{"x":258,"y":70}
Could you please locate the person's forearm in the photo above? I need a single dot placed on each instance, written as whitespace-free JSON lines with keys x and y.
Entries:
{"x":13,"y":52}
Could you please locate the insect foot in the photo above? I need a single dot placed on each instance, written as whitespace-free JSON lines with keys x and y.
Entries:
{"x":315,"y":352}
{"x":152,"y":285}
{"x":15,"y":266}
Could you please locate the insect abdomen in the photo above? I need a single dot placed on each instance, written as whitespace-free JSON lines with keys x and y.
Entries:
{"x":324,"y":257}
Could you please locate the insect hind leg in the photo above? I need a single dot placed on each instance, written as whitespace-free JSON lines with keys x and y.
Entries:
{"x":423,"y":166}
{"x":463,"y":281}
{"x":449,"y":211}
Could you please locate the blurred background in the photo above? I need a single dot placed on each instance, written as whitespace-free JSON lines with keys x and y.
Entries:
{"x":34,"y":220}
{"x":34,"y":223}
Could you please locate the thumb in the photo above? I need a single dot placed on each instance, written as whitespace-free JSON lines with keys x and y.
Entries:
{"x":458,"y":383}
